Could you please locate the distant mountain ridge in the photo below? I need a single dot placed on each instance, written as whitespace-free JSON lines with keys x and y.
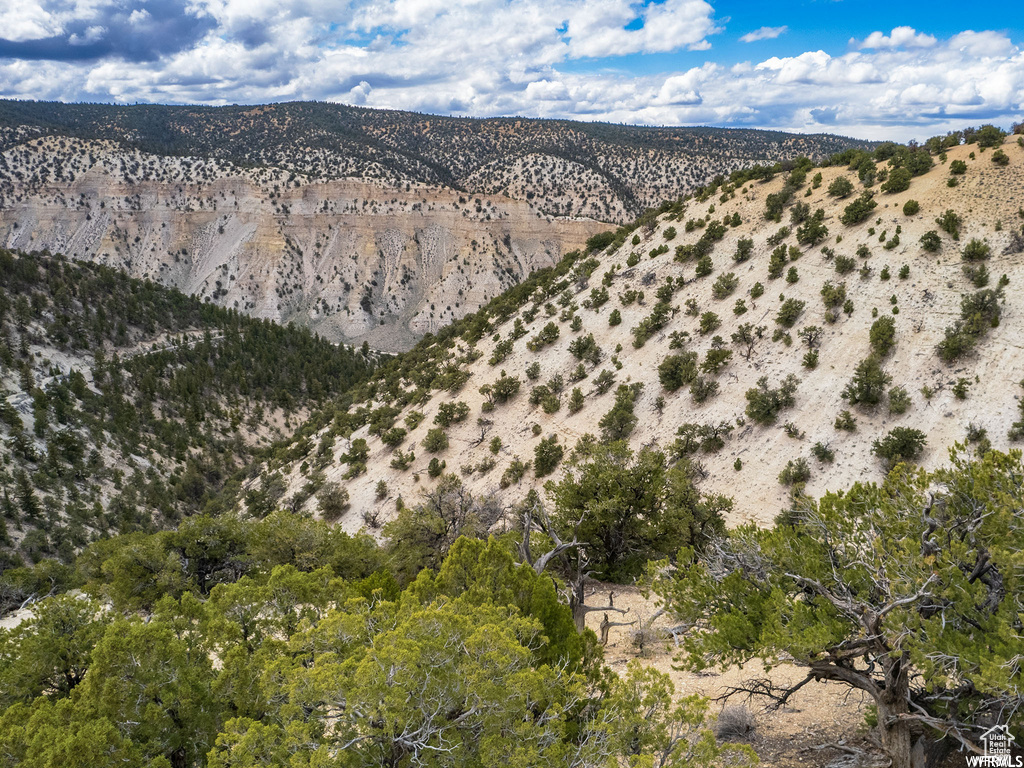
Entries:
{"x":620,"y":170}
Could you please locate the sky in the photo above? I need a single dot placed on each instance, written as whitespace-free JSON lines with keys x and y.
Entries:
{"x":866,"y":68}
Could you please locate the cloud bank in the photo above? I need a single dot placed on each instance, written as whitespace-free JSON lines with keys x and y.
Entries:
{"x":554,"y":58}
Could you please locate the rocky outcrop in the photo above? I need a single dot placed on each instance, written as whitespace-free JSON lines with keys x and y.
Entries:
{"x":355,"y":260}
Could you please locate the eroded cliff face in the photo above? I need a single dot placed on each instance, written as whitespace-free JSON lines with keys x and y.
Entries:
{"x":355,"y":260}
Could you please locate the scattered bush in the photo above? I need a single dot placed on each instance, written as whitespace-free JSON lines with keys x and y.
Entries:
{"x":899,"y":401}
{"x":764,"y":402}
{"x":789,"y":312}
{"x":858,"y":210}
{"x":724,"y":285}
{"x":795,"y":472}
{"x":867,"y":387}
{"x":900,"y":444}
{"x":676,"y":371}
{"x":546,"y":456}
{"x":882,"y":336}
{"x":436,"y":440}
{"x":845,"y":422}
{"x":976,"y":250}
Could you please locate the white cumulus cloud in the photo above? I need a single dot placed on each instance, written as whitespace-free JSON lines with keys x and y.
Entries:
{"x":900,"y":37}
{"x":764,"y":33}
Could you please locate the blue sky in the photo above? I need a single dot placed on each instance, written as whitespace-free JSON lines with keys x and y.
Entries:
{"x":870,"y":69}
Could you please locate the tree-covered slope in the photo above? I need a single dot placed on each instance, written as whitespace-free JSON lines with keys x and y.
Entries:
{"x":126,"y":405}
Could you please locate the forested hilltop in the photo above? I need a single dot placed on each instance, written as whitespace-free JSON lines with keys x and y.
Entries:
{"x":608,"y":172}
{"x":126,"y":406}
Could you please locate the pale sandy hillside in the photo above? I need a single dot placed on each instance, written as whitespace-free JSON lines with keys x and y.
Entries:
{"x":988,"y":198}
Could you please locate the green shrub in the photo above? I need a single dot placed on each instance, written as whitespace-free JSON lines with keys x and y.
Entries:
{"x":882,"y":336}
{"x":950,"y":223}
{"x":451,"y":413}
{"x":846,"y":422}
{"x":899,"y":401}
{"x":840,"y":187}
{"x":867,"y":387}
{"x":898,"y":181}
{"x":823,"y":453}
{"x":795,"y":472}
{"x":976,"y":250}
{"x":709,"y":322}
{"x":703,"y":389}
{"x":546,"y":455}
{"x":845,"y":264}
{"x":744,"y":250}
{"x":676,"y":371}
{"x":724,"y":285}
{"x":930,"y":241}
{"x":858,"y":210}
{"x":764,"y":402}
{"x":911,"y":207}
{"x":789,"y":312}
{"x":436,"y":440}
{"x":900,"y":444}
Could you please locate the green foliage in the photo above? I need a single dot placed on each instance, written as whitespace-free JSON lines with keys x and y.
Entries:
{"x":676,"y":371}
{"x":764,"y":403}
{"x":845,"y":264}
{"x":600,"y":241}
{"x":709,"y":322}
{"x":724,"y":285}
{"x":899,"y":444}
{"x":619,"y":422}
{"x":876,"y":604}
{"x":703,"y":389}
{"x":435,"y":440}
{"x":651,"y":324}
{"x":840,"y":187}
{"x":976,"y":250}
{"x":949,"y":222}
{"x":911,"y":207}
{"x":546,"y":455}
{"x":979,"y":312}
{"x":790,"y":312}
{"x":548,"y":335}
{"x":823,"y":453}
{"x":451,"y":413}
{"x":627,"y":508}
{"x":777,"y":263}
{"x":614,"y":317}
{"x":883,"y":335}
{"x":898,"y":181}
{"x":744,"y":250}
{"x":899,"y":400}
{"x":930,"y":241}
{"x":858,"y":210}
{"x":814,"y":230}
{"x":585,"y":348}
{"x":795,"y":472}
{"x":868,"y":385}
